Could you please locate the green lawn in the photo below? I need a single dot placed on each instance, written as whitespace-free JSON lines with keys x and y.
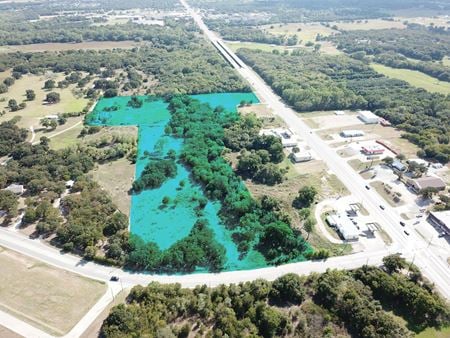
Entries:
{"x":433,"y":333}
{"x":414,"y":78}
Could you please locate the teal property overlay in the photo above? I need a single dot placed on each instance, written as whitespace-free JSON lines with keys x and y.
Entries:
{"x":149,"y":219}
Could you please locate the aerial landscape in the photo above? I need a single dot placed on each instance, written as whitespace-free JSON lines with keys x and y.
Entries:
{"x":224,"y":168}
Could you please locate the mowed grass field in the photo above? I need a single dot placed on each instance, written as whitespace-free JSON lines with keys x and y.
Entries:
{"x":50,"y":299}
{"x":414,"y":78}
{"x":433,"y":333}
{"x":35,"y":110}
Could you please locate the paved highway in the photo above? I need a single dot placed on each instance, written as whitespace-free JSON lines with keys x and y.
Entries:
{"x":433,"y":266}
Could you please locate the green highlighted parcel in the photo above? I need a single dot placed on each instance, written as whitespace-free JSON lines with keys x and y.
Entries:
{"x":189,"y":210}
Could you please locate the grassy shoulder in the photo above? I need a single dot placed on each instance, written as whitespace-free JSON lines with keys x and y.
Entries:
{"x":414,"y":78}
{"x":48,"y":298}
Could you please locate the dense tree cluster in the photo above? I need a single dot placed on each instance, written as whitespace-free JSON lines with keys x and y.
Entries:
{"x":415,"y":42}
{"x":259,"y":154}
{"x":309,"y":81}
{"x":332,"y":304}
{"x":155,"y":173}
{"x":65,"y":29}
{"x":10,"y":136}
{"x":203,"y":132}
{"x":32,"y":10}
{"x":90,"y":215}
{"x":199,"y":249}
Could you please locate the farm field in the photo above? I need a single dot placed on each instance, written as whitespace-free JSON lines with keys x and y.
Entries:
{"x":56,"y":47}
{"x":71,"y":100}
{"x":50,"y":299}
{"x":414,"y":78}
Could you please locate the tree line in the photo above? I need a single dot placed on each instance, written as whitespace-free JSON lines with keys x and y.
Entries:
{"x":367,"y":302}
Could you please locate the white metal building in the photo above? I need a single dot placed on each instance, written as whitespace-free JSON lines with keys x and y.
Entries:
{"x":344,"y":226}
{"x":352,"y":133}
{"x":368,"y":117}
{"x":301,"y":156}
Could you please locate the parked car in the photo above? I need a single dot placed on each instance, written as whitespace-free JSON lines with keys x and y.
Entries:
{"x":367,"y":187}
{"x":402,"y":223}
{"x":406,"y":232}
{"x":442,"y":234}
{"x":114,"y":279}
{"x":382,"y":207}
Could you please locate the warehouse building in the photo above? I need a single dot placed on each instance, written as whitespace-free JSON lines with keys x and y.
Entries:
{"x":352,"y":133}
{"x":368,"y":117}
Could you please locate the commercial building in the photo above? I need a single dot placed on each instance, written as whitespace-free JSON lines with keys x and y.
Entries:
{"x":368,"y":117}
{"x":344,"y":226}
{"x":374,"y":149}
{"x":352,"y":133}
{"x":440,"y":219}
{"x":426,"y":182}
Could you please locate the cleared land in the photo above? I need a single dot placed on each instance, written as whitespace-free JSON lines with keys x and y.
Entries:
{"x":51,"y":299}
{"x":304,"y":31}
{"x":414,"y":78}
{"x":368,"y":24}
{"x":55,"y":47}
{"x":71,"y":100}
{"x":116,"y":178}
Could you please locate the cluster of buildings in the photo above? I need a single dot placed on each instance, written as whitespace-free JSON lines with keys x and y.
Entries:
{"x":288,"y":140}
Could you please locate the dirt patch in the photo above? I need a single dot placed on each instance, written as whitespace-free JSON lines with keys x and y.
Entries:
{"x":51,"y":299}
{"x":388,"y":193}
{"x":6,"y":333}
{"x":262,"y":111}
